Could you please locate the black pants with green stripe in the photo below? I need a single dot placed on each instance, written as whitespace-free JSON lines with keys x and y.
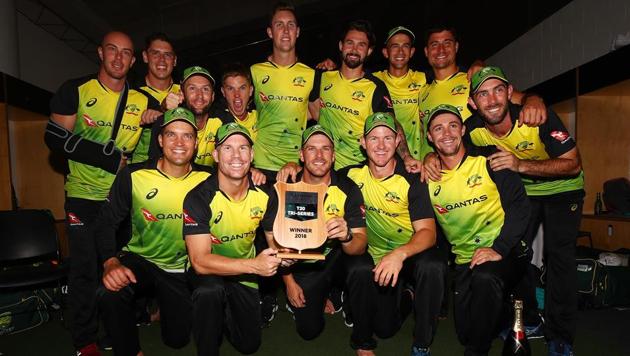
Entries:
{"x":424,"y":275}
{"x":172,"y":294}
{"x":481,"y":299}
{"x":349,"y":273}
{"x":223,"y":304}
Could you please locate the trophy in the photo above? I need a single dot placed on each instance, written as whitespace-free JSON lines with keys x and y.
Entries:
{"x":300,"y":223}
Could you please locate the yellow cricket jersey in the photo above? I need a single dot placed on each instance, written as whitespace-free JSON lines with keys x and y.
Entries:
{"x":549,"y":140}
{"x":452,"y":90}
{"x":404,"y":93}
{"x":281,"y":95}
{"x":205,"y":142}
{"x":477,"y":207}
{"x":95,"y":108}
{"x":346,"y":103}
{"x":250,"y":122}
{"x":391,"y":205}
{"x":232,"y":224}
{"x":141,"y":153}
{"x":154,"y":201}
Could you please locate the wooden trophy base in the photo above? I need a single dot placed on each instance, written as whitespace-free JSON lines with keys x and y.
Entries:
{"x":301,"y":256}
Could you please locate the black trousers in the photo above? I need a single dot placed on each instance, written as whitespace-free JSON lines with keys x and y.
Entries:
{"x":173,"y":297}
{"x":560,"y":215}
{"x":349,"y":273}
{"x":424,"y":273}
{"x":481,"y":299}
{"x":84,"y":276}
{"x":224,"y":305}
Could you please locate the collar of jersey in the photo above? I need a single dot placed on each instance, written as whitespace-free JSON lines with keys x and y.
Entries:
{"x":215,"y":181}
{"x":283,"y":67}
{"x":351,"y":80}
{"x":437,"y":81}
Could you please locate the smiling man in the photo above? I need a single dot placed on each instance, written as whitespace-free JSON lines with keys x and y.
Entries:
{"x":408,"y":273}
{"x":86,"y":128}
{"x":197,"y":95}
{"x":153,"y":262}
{"x":224,"y":213}
{"x":483,"y":214}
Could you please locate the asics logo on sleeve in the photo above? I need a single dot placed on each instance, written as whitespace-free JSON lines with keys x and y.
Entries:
{"x":265,"y":79}
{"x":91,"y":102}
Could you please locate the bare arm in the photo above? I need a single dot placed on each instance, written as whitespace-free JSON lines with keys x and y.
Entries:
{"x":204,"y":262}
{"x":358,"y":244}
{"x":66,"y":121}
{"x":568,"y":164}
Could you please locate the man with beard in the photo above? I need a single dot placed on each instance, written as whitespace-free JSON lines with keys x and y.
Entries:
{"x":153,"y":262}
{"x":309,"y":283}
{"x":404,"y":84}
{"x":401,"y":240}
{"x":197,"y":94}
{"x":349,"y":95}
{"x":484,"y":215}
{"x":94,"y":123}
{"x":237,"y":89}
{"x":548,"y":161}
{"x":222,"y":216}
{"x":160,"y":58}
{"x":451,"y":86}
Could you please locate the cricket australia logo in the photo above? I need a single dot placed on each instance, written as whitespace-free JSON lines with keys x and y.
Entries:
{"x":299,"y":81}
{"x":524,"y":146}
{"x":392,"y":197}
{"x":210,"y":137}
{"x":473,"y":181}
{"x":358,"y":96}
{"x":414,"y":86}
{"x":256,"y":213}
{"x":332,"y":209}
{"x":459,"y":90}
{"x":132,"y":109}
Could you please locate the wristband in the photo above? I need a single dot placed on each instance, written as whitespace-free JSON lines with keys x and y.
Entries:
{"x":348,"y":238}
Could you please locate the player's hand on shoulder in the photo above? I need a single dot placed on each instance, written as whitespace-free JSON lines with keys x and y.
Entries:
{"x":534,"y":111}
{"x":172,"y":100}
{"x":326,"y":64}
{"x":289,"y":170}
{"x":431,"y":168}
{"x":258,"y":177}
{"x":504,"y":160}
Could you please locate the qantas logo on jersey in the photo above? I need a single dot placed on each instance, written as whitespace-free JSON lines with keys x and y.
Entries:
{"x":443,"y":209}
{"x":266,"y":98}
{"x":524,"y":146}
{"x":561,"y":136}
{"x":188,"y":220}
{"x":148,"y":216}
{"x":380,"y":211}
{"x":299,"y":81}
{"x":91,"y":102}
{"x":89,"y":121}
{"x":358,"y":96}
{"x":256,"y":213}
{"x":328,"y":86}
{"x":459,"y":90}
{"x":440,"y":209}
{"x":474,"y":180}
{"x":404,"y":101}
{"x":214,"y":240}
{"x":388,"y":101}
{"x":344,"y":109}
{"x":73,"y":220}
{"x":265,"y":79}
{"x":245,"y":235}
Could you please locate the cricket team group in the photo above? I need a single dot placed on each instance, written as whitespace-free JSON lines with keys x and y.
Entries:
{"x":170,"y":195}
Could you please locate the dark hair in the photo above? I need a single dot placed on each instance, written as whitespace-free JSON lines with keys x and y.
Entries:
{"x":362,"y":26}
{"x":235,"y":70}
{"x":282,"y":6}
{"x":437,"y":29}
{"x":161,"y":36}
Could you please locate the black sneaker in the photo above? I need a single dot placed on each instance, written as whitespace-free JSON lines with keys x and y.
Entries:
{"x":268,"y":309}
